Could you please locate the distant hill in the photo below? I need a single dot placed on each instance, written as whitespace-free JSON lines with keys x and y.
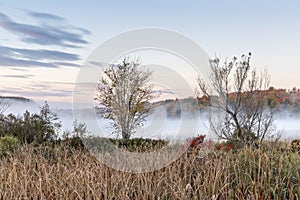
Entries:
{"x":11,"y":98}
{"x":282,"y":100}
{"x":18,"y":105}
{"x":175,"y":107}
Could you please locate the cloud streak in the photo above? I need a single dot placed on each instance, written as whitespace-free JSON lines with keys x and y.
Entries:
{"x":17,"y":76}
{"x":52,"y":30}
{"x":41,"y":54}
{"x":46,"y":16}
{"x":13,"y":62}
{"x":16,"y":57}
{"x":38,"y":91}
{"x":44,"y":34}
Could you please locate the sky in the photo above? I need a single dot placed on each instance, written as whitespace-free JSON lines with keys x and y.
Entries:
{"x":43,"y":44}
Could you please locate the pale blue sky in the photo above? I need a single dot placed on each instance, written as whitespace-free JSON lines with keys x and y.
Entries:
{"x":68,"y":31}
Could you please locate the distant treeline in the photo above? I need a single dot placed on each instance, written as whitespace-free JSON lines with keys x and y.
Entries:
{"x":281,"y":100}
{"x":15,"y":98}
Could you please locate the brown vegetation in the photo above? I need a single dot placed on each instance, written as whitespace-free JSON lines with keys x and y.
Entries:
{"x":63,"y":173}
{"x":295,"y":146}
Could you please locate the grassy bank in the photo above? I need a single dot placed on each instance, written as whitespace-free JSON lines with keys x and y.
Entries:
{"x":64,"y":173}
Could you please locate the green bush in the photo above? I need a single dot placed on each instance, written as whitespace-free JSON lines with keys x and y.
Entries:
{"x":8,"y":144}
{"x":31,"y":128}
{"x":139,"y":144}
{"x":133,"y":145}
{"x":73,"y":142}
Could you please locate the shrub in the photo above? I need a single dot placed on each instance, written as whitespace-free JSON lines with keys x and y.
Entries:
{"x":31,"y":128}
{"x":196,"y":141}
{"x":73,"y":142}
{"x":133,"y":145}
{"x":226,"y":146}
{"x":8,"y":144}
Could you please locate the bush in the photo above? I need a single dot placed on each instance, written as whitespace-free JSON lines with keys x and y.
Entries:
{"x":195,"y":143}
{"x":31,"y":128}
{"x":139,"y":144}
{"x":226,"y":146}
{"x":132,"y":145}
{"x":8,"y":144}
{"x":73,"y":142}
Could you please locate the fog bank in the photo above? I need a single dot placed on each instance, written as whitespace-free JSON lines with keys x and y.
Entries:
{"x":157,"y":125}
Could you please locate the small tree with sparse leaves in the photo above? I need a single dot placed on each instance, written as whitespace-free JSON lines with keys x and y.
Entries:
{"x":123,"y":96}
{"x":242,"y":115}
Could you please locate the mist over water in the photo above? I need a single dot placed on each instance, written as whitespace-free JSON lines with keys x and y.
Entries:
{"x":157,"y":125}
{"x":18,"y":107}
{"x":161,"y":127}
{"x":290,"y":127}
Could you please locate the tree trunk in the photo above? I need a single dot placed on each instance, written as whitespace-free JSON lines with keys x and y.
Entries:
{"x":125,"y":135}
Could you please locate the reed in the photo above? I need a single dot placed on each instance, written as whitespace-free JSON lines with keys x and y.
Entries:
{"x":64,"y":173}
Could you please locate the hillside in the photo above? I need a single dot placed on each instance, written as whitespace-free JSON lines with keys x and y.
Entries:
{"x":282,"y":100}
{"x":18,"y":105}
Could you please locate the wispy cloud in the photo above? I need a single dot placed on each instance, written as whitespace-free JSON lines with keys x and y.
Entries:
{"x":14,"y":62}
{"x":18,"y":69}
{"x":36,"y":58}
{"x":47,"y":41}
{"x":35,"y":94}
{"x":40,"y":54}
{"x":52,"y":30}
{"x":38,"y":92}
{"x":66,"y":64}
{"x":45,"y":34}
{"x":17,"y":76}
{"x":46,"y":16}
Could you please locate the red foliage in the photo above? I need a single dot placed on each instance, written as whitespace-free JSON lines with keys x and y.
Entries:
{"x":225,"y":146}
{"x":195,"y":142}
{"x":207,"y":145}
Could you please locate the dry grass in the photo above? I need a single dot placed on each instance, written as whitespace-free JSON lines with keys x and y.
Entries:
{"x":41,"y":173}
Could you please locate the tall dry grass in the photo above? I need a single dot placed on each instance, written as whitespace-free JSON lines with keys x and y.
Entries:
{"x":61,"y":173}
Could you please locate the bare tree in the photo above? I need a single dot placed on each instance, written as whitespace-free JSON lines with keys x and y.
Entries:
{"x":123,"y":96}
{"x":238,"y":103}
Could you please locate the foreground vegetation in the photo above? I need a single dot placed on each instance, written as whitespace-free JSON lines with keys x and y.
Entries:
{"x":63,"y":172}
